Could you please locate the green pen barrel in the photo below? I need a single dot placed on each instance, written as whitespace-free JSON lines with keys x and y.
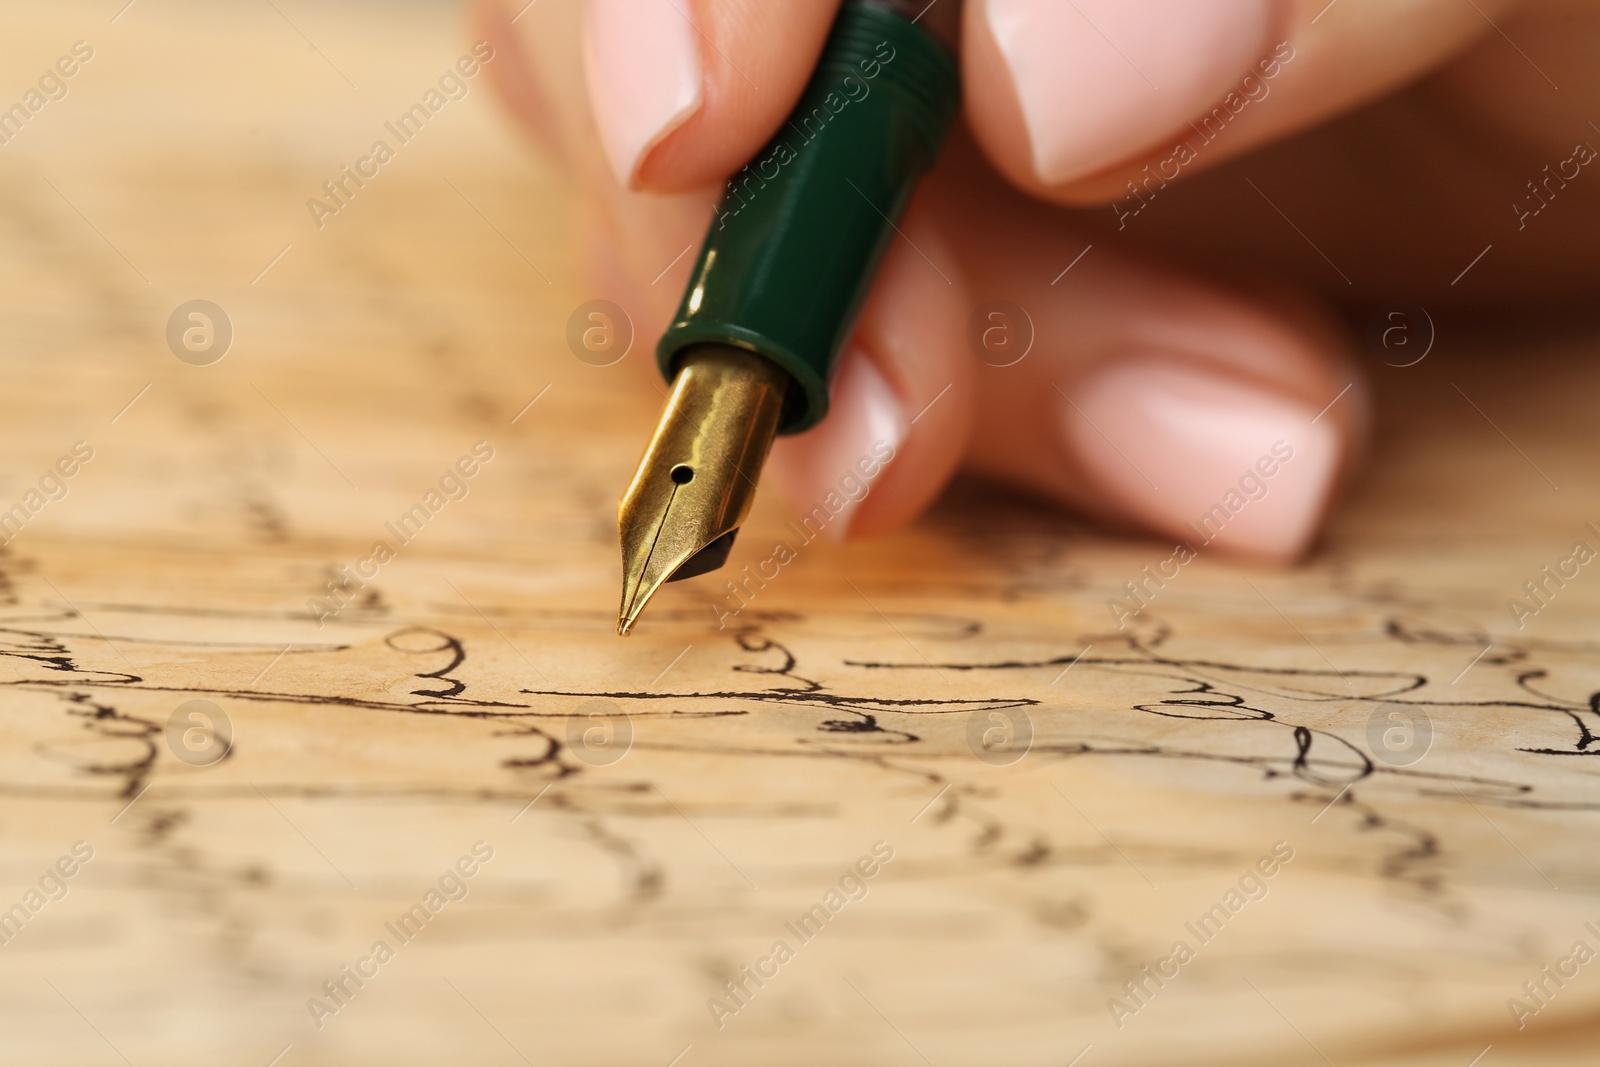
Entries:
{"x":801,"y":229}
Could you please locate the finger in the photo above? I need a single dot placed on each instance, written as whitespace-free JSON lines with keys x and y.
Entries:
{"x":1073,"y":101}
{"x":1155,"y":400}
{"x":685,"y":91}
{"x":901,"y":400}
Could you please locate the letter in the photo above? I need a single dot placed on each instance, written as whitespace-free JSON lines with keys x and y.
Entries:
{"x":1118,"y":1009}
{"x":1233,"y":501}
{"x":33,"y":500}
{"x":51,"y":85}
{"x":1253,"y":487}
{"x":349,"y":977}
{"x":1527,"y":987}
{"x":1267,"y":866}
{"x":18,"y":514}
{"x":17,"y":115}
{"x":1520,"y":1012}
{"x":53,"y":487}
{"x":1544,"y":585}
{"x":1582,"y":952}
{"x":483,"y":50}
{"x":1563,"y":971}
{"x":381,"y":551}
{"x":748,"y":578}
{"x":33,"y":899}
{"x":1284,"y":51}
{"x":382,"y":951}
{"x":319,"y":1011}
{"x":1199,"y":935}
{"x":1582,"y":552}
{"x":1234,"y":900}
{"x":67,"y":466}
{"x":1548,"y":178}
{"x":1123,"y":215}
{"x":820,"y":516}
{"x":1520,"y":612}
{"x":361,"y":569}
{"x":483,"y":850}
{"x":883,"y":450}
{"x":322,"y":610}
{"x":344,"y":182}
{"x":83,"y":851}
{"x":67,"y":66}
{"x":834,"y":102}
{"x":66,"y":866}
{"x":417,"y":514}
{"x":1148,"y":178}
{"x":1269,"y":68}
{"x":722,"y":616}
{"x":1266,"y":466}
{"x":1253,"y":887}
{"x":784,"y":153}
{"x":817,"y":917}
{"x":418,"y":116}
{"x":1259,"y":93}
{"x":332,"y":192}
{"x":1184,"y":154}
{"x":83,"y":50}
{"x":19,"y":916}
{"x":1546,"y":978}
{"x":853,"y":887}
{"x":34,"y":100}
{"x":782,"y":951}
{"x":1121,"y":613}
{"x":319,"y":211}
{"x":1234,"y":103}
{"x":466,"y":866}
{"x":433,"y":501}
{"x":1562,"y":170}
{"x":1561,"y":567}
{"x":1218,"y":914}
{"x":399,"y":935}
{"x":1182,"y":952}
{"x":467,"y":66}
{"x":361,"y":167}
{"x":412,"y":922}
{"x":761,"y":568}
{"x":866,"y":866}
{"x":882,"y":849}
{"x":1148,"y":977}
{"x":452,"y":887}
{"x":1219,"y":515}
{"x":1533,"y":594}
{"x":1161,"y":568}
{"x":434,"y":901}
{"x":452,"y":86}
{"x":867,"y":467}
{"x":851,"y":84}
{"x":1283,"y":450}
{"x":784,"y":554}
{"x":483,"y":450}
{"x":53,"y":886}
{"x":834,"y":901}
{"x":1161,"y":968}
{"x":854,"y":488}
{"x":452,"y":487}
{"x":820,"y":117}
{"x":744,"y":983}
{"x":871,"y":68}
{"x":1148,"y":578}
{"x":719,"y":1011}
{"x":879,"y":52}
{"x":1284,"y":851}
{"x":1583,"y":154}
{"x":434,"y":101}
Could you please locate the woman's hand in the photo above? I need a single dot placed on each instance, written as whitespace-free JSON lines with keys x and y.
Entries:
{"x":1171,"y":190}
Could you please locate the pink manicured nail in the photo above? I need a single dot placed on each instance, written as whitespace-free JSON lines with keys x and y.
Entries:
{"x":642,"y":60}
{"x":1204,"y":457}
{"x":1099,"y":80}
{"x":826,"y":472}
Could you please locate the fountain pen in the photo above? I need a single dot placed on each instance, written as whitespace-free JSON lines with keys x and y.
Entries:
{"x":793,"y":246}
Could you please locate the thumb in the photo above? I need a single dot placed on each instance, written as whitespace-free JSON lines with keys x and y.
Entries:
{"x":686,"y":91}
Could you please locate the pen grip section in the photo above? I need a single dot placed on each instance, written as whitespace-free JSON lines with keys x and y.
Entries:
{"x":800,"y":231}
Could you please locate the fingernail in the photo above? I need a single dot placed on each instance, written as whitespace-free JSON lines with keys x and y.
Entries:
{"x":1204,"y":457}
{"x":1098,"y":80}
{"x":643,"y":66}
{"x":828,"y":472}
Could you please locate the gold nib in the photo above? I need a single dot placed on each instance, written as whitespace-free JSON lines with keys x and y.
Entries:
{"x":699,"y":472}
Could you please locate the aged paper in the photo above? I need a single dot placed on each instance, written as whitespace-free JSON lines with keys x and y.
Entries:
{"x":916,"y":801}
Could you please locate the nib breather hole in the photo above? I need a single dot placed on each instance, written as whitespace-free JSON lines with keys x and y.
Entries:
{"x":683,"y":474}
